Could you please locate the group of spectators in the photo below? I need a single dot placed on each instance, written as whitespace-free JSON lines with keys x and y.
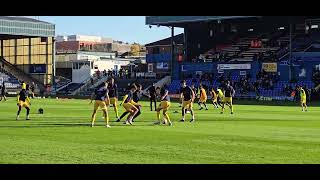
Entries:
{"x":266,"y":80}
{"x":316,"y":77}
{"x":215,"y":57}
{"x":122,"y":73}
{"x":290,"y":91}
{"x":256,"y":43}
{"x":206,"y":77}
{"x":245,"y":85}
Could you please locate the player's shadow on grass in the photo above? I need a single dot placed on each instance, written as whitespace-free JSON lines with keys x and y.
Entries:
{"x":42,"y":125}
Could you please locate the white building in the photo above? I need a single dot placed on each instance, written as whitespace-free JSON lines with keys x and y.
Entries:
{"x":61,"y":38}
{"x":84,"y":64}
{"x":85,"y":38}
{"x":84,"y":55}
{"x":82,"y":70}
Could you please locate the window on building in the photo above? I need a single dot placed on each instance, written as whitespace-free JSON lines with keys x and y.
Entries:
{"x":44,"y":39}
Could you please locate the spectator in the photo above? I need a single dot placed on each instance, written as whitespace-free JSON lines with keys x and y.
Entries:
{"x":296,"y":94}
{"x":32,"y":88}
{"x":98,"y":74}
{"x":289,"y":91}
{"x":316,"y":77}
{"x":153,"y":95}
{"x":3,"y":92}
{"x":308,"y":93}
{"x":221,"y":78}
{"x":211,"y":78}
{"x":285,"y":90}
{"x":270,"y":84}
{"x":91,"y":79}
{"x":120,"y":73}
{"x":114,"y":73}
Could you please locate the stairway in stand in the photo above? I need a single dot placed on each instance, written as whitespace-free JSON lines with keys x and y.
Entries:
{"x":20,"y":75}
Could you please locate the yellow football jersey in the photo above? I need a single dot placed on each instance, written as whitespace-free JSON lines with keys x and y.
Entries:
{"x":203,"y":93}
{"x":220,"y":93}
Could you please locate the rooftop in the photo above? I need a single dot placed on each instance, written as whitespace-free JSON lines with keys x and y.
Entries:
{"x":178,"y":39}
{"x":22,"y":19}
{"x":23,"y":26}
{"x":165,"y":20}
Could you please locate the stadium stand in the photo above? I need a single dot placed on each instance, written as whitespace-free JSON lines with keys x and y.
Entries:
{"x":12,"y":84}
{"x":18,"y":74}
{"x":273,"y":46}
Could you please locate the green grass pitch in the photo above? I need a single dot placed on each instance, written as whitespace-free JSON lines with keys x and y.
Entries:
{"x":254,"y":134}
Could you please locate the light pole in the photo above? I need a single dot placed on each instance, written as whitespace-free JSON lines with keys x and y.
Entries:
{"x":172,"y":51}
{"x":290,"y":52}
{"x":54,"y":63}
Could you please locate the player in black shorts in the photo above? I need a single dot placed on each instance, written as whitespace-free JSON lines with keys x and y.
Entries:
{"x":136,"y":98}
{"x":23,"y":101}
{"x":113,"y":95}
{"x":187,"y":96}
{"x":229,"y":93}
{"x":153,"y":96}
{"x":101,"y":98}
{"x":164,"y":106}
{"x":32,"y":87}
{"x":129,"y":105}
{"x":195,"y":89}
{"x":3,"y":92}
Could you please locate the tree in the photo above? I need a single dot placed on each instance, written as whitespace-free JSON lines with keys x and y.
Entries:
{"x":135,"y":49}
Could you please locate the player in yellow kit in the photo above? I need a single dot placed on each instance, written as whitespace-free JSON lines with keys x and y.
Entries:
{"x":229,"y":93}
{"x":187,"y":95}
{"x":113,"y":95}
{"x":136,"y":98}
{"x":214,"y":97}
{"x":23,"y":100}
{"x":203,"y":97}
{"x":220,"y":97}
{"x":164,"y":106}
{"x":101,"y":98}
{"x":303,"y":99}
{"x":129,"y":105}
